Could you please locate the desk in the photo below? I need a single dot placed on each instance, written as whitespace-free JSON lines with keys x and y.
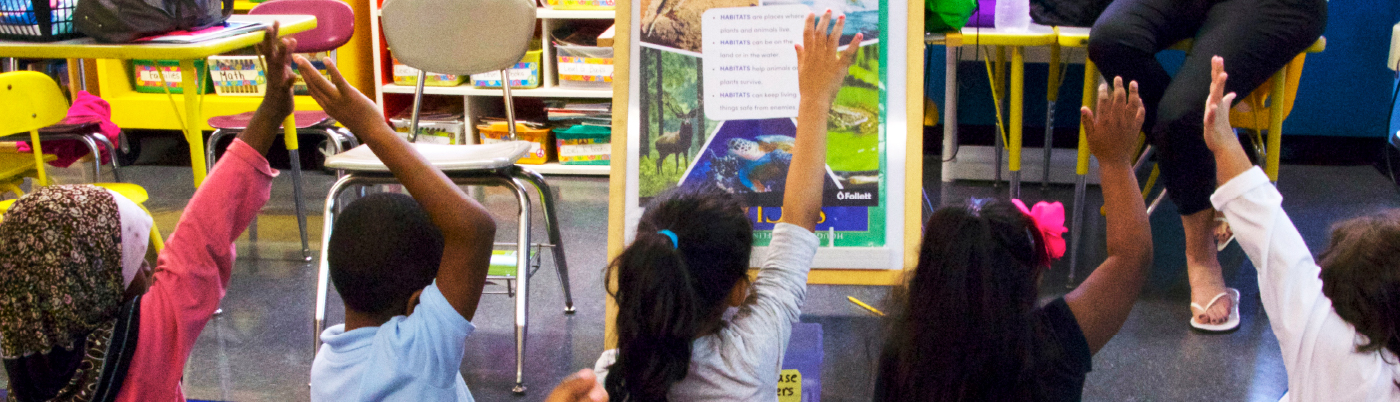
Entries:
{"x":86,"y":48}
{"x":1017,"y":42}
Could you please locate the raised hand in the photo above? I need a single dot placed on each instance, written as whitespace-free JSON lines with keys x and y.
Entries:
{"x":1112,"y":127}
{"x":277,"y":57}
{"x":1230,"y":159}
{"x":339,"y":99}
{"x":1218,"y":133}
{"x":821,"y":69}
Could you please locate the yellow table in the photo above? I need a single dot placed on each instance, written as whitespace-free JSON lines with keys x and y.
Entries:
{"x":86,"y":48}
{"x":1017,"y":42}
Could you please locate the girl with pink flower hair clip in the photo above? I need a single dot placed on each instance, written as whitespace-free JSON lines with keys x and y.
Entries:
{"x":967,"y":325}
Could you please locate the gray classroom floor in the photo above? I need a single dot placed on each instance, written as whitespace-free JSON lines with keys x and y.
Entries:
{"x":260,"y":348}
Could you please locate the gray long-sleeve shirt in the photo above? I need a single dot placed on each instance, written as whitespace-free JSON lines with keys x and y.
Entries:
{"x":741,"y":362}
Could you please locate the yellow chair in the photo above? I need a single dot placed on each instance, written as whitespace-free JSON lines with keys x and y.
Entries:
{"x":30,"y":101}
{"x":1254,"y":113}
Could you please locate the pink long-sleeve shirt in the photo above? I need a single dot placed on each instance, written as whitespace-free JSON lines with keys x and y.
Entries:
{"x":193,"y":271}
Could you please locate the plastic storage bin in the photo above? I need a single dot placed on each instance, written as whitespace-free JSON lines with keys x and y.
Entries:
{"x":408,"y":76}
{"x":582,"y":4}
{"x":524,"y":75}
{"x":584,"y":67}
{"x":37,"y":20}
{"x":433,"y":131}
{"x":584,"y":145}
{"x":145,"y":78}
{"x":237,"y":76}
{"x":497,"y":132}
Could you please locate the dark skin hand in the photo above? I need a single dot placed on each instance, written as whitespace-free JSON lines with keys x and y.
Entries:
{"x":277,"y":104}
{"x":468,"y":230}
{"x":1102,"y":302}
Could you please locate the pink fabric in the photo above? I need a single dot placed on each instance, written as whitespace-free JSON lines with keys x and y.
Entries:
{"x":86,"y":107}
{"x":1050,"y":219}
{"x":193,"y":272}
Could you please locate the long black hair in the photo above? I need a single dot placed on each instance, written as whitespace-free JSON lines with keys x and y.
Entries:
{"x":669,"y":294}
{"x":962,"y":329}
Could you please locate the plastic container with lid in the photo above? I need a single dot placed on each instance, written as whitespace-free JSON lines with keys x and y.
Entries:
{"x":237,"y":75}
{"x":146,"y":79}
{"x":497,"y":131}
{"x":584,"y":67}
{"x":525,"y":74}
{"x":584,"y":144}
{"x":408,"y":76}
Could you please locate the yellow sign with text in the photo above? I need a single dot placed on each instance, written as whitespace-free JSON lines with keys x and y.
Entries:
{"x":790,"y":386}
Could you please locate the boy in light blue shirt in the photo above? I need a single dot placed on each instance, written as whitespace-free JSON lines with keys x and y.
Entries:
{"x":410,"y":271}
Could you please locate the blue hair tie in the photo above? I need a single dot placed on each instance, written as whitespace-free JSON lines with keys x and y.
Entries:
{"x":675,"y":241}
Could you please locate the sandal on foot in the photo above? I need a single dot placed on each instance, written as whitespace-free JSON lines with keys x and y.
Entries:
{"x":1231,"y":323}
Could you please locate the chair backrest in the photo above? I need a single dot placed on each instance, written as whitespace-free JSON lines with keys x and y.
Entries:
{"x":335,"y":22}
{"x":458,"y":37}
{"x":29,"y":101}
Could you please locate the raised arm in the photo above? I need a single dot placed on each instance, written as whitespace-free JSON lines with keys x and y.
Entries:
{"x":467,"y":228}
{"x":1101,"y":304}
{"x":821,"y":69}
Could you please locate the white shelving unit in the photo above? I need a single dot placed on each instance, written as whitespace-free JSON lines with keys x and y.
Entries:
{"x":484,"y":102}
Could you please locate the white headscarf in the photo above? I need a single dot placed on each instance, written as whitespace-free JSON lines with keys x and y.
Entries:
{"x":136,"y":235}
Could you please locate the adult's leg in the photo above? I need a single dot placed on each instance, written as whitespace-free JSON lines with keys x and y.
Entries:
{"x":1129,"y":34}
{"x":1256,"y":38}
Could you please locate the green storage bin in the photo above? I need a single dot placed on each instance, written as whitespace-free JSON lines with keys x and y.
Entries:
{"x":145,"y":79}
{"x":584,"y":145}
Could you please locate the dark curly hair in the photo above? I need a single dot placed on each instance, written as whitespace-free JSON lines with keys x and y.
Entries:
{"x":1361,"y":275}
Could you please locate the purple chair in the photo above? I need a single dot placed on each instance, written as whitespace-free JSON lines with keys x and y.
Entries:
{"x":335,"y":24}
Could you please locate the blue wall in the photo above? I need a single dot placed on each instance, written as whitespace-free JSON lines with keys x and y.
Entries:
{"x":1345,"y":91}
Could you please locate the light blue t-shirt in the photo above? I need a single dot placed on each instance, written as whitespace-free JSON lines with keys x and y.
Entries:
{"x":408,"y":358}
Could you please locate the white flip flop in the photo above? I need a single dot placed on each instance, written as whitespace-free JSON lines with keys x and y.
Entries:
{"x":1231,"y":323}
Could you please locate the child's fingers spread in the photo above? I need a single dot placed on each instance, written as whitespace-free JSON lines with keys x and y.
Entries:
{"x":313,"y":79}
{"x":834,"y":40}
{"x":1103,"y":98}
{"x":1087,"y":117}
{"x":824,"y":24}
{"x":334,"y":72}
{"x":851,"y":48}
{"x":807,"y":29}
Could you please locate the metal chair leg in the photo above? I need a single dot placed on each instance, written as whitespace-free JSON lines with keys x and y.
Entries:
{"x":551,"y":225}
{"x":1076,"y":229}
{"x":213,"y":143}
{"x":323,"y":270}
{"x":112,"y":152}
{"x":522,"y":275}
{"x":97,"y":156}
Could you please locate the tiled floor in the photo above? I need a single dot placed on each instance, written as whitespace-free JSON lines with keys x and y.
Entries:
{"x":260,"y":348}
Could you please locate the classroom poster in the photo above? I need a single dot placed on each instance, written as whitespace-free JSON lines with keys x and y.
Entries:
{"x":714,"y":96}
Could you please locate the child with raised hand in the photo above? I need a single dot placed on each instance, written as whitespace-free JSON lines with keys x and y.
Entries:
{"x":966,"y":326}
{"x":409,"y":269}
{"x":689,"y":264}
{"x":82,"y":314}
{"x":1337,"y":322}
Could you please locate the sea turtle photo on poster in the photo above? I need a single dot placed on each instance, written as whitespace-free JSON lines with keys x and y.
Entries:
{"x":751,"y":158}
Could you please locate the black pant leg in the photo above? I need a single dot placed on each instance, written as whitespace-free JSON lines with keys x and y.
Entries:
{"x":1256,"y":38}
{"x":1128,"y":35}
